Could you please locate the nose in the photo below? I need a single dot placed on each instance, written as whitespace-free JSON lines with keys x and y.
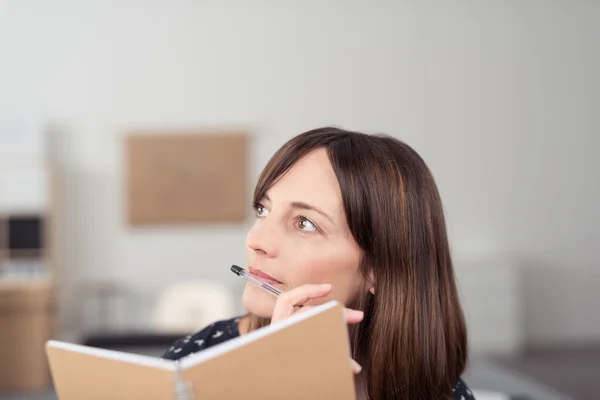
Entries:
{"x":262,"y":239}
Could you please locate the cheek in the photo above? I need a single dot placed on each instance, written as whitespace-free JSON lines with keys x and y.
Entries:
{"x":340,"y":270}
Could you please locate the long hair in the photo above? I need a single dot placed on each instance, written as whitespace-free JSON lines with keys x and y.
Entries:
{"x":412,"y":342}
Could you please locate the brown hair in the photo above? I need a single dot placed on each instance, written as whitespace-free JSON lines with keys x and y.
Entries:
{"x":412,"y":343}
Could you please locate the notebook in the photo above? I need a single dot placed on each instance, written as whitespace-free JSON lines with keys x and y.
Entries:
{"x":306,"y":356}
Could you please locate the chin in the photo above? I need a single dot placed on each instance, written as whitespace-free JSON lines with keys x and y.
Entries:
{"x":258,"y":302}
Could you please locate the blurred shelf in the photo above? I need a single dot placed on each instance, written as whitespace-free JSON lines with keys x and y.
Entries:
{"x":25,"y":254}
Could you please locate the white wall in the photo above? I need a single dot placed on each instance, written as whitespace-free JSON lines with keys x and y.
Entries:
{"x":513,"y":96}
{"x":500,"y":99}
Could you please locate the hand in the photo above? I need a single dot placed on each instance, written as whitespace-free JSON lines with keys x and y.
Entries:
{"x":289,"y":302}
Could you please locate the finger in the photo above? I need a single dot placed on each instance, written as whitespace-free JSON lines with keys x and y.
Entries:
{"x":356,"y":368}
{"x":287,"y":302}
{"x":302,"y":294}
{"x":353,"y":316}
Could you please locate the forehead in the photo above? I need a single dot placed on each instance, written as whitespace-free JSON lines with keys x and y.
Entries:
{"x":311,"y":180}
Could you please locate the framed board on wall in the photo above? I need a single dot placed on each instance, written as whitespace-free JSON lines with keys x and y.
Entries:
{"x":186,"y":178}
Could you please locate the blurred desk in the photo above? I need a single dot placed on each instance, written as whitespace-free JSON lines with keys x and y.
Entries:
{"x":486,"y":375}
{"x":26,"y":318}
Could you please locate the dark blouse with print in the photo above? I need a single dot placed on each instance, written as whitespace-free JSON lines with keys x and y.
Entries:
{"x":222,"y":331}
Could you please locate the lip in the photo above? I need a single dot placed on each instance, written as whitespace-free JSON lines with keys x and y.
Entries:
{"x":262,"y":275}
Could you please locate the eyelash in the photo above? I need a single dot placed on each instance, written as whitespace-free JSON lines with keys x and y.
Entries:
{"x":297,"y":219}
{"x":256,"y":207}
{"x":303,"y":218}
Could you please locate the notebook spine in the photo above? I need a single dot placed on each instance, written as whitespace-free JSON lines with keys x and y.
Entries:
{"x":183,"y":389}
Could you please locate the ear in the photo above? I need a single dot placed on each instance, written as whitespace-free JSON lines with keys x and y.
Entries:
{"x":371,"y":282}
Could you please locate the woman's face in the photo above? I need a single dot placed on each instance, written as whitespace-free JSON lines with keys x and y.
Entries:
{"x":301,"y":236}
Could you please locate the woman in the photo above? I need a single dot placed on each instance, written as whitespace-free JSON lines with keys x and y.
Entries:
{"x":357,"y":218}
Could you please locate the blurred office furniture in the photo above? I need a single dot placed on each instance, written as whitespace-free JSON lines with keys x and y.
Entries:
{"x":26,"y":318}
{"x":485,"y":375}
{"x":487,"y":395}
{"x":106,"y":307}
{"x":181,"y":309}
{"x":105,"y":304}
{"x":27,"y":284}
{"x":190,"y":306}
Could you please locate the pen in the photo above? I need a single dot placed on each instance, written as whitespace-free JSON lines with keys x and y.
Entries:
{"x":241,"y":272}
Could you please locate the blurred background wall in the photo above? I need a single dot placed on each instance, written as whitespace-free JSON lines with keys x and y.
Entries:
{"x":501,"y":98}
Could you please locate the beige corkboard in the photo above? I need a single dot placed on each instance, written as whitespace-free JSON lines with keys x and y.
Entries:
{"x":187,"y":178}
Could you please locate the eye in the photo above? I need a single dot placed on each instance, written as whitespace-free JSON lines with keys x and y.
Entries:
{"x":261,"y":211}
{"x":305,"y":224}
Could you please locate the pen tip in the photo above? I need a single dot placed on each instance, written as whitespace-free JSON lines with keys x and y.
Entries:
{"x":235,"y":269}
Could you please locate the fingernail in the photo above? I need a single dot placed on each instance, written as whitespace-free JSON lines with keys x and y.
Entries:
{"x":326,"y":286}
{"x":350,"y":313}
{"x":356,"y":368}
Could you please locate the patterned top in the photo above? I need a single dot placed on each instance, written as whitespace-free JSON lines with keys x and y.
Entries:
{"x":222,"y":331}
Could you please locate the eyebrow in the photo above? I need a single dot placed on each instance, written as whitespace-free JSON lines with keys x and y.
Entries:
{"x":305,"y":206}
